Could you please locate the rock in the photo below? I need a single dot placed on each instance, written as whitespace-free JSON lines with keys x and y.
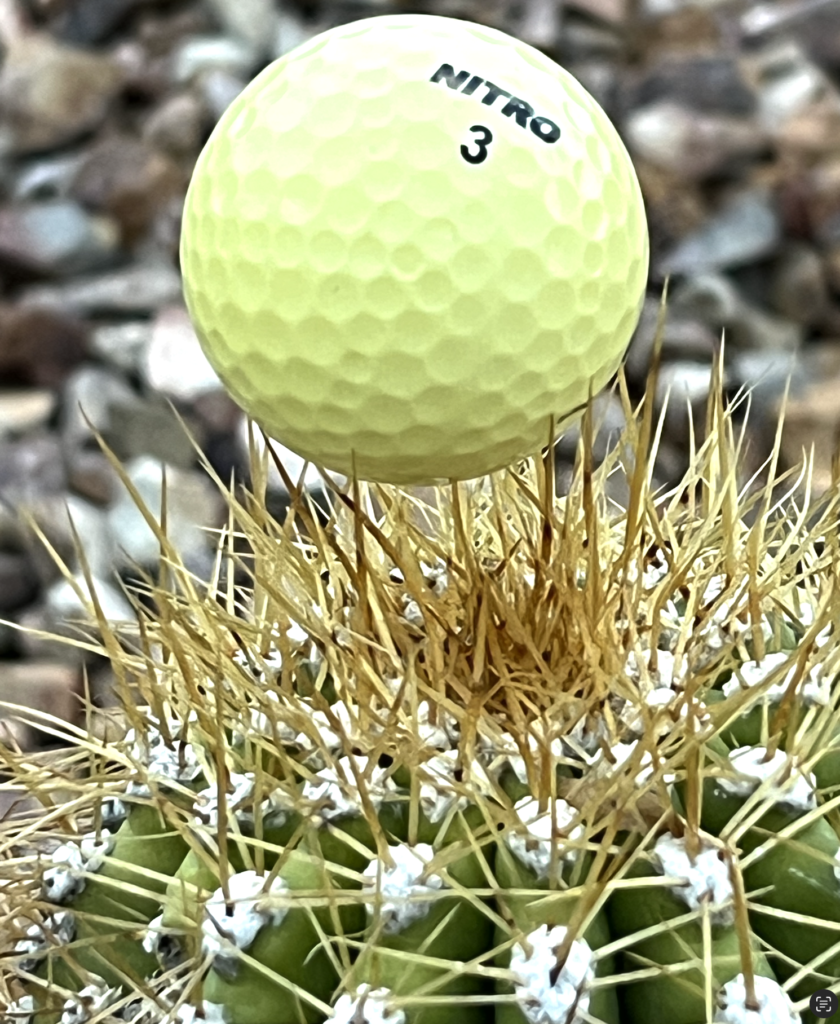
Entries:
{"x":177,"y":127}
{"x":37,"y":619}
{"x":129,"y":180}
{"x":56,"y":238}
{"x":63,"y":603}
{"x":799,"y":289}
{"x":710,"y":83}
{"x":192,"y":504}
{"x":47,"y":177}
{"x":799,"y":105}
{"x":31,"y":468}
{"x":715,"y":302}
{"x":218,"y":89}
{"x":815,"y":26}
{"x":612,"y":11}
{"x":50,"y":93}
{"x":91,"y":475}
{"x":684,"y":338}
{"x":123,"y":345}
{"x":86,"y":22}
{"x":138,"y":289}
{"x":291,"y":462}
{"x":691,"y":144}
{"x":255,"y":22}
{"x":766,"y":373}
{"x":812,"y":418}
{"x":19,"y":582}
{"x":129,"y":424}
{"x":608,"y":423}
{"x":539,"y":23}
{"x":45,"y":687}
{"x":94,"y":396}
{"x":199,"y":54}
{"x":746,"y":229}
{"x":23,"y":411}
{"x":94,"y":528}
{"x":292,"y":30}
{"x":218,"y":411}
{"x":174,"y":363}
{"x":148,"y":427}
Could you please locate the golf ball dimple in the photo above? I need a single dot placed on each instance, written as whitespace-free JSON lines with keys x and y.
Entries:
{"x":410,"y":246}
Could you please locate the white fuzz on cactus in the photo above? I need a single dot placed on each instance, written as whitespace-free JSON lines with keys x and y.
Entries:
{"x":233,"y":916}
{"x":772,"y":1004}
{"x":545,"y":994}
{"x":400,"y":887}
{"x":368,"y":1006}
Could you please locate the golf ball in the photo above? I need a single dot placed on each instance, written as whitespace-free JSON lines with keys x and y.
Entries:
{"x":412,"y":247}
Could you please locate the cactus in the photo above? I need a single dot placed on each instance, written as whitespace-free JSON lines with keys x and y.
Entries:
{"x":498,"y":757}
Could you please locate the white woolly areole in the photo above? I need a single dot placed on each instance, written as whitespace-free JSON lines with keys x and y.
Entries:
{"x":60,"y":926}
{"x":443,"y":734}
{"x":705,"y":881}
{"x":95,"y":848}
{"x":796,"y":791}
{"x":540,"y":1001}
{"x":774,"y":1003}
{"x":89,"y":1002}
{"x":223,"y":933}
{"x":368,"y":1006}
{"x":336,"y":795}
{"x":21,"y":1010}
{"x":214,"y":1013}
{"x":400,"y":886}
{"x":533,"y":845}
{"x":327,"y":737}
{"x":812,"y":689}
{"x":178,"y":763}
{"x":64,"y":879}
{"x":207,"y":800}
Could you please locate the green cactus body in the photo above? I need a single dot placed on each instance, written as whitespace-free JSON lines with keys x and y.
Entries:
{"x":530,"y":912}
{"x":675,"y":998}
{"x":801,"y":872}
{"x":452,"y":930}
{"x":290,"y":948}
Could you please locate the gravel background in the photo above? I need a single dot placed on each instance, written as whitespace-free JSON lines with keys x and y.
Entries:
{"x":730,"y":110}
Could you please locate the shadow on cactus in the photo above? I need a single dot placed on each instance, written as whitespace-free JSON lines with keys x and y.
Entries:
{"x":501,"y":757}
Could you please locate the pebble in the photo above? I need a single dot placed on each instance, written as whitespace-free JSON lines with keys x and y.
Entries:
{"x":47,"y":687}
{"x":122,"y":345}
{"x":212,"y":53}
{"x":218,"y":89}
{"x":291,"y":31}
{"x":24,"y":411}
{"x":63,"y":603}
{"x":177,"y":127}
{"x":746,"y":229}
{"x":174,"y":363}
{"x":19,"y":583}
{"x":291,"y":462}
{"x":691,"y":144}
{"x":47,"y":177}
{"x":91,"y":475}
{"x":140,"y":288}
{"x":255,"y":22}
{"x":130,"y":180}
{"x":56,"y":238}
{"x":704,"y":83}
{"x":192,"y":503}
{"x":51,"y":93}
{"x":31,"y":467}
{"x":94,"y":397}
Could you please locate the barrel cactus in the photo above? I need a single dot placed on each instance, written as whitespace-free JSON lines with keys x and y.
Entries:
{"x":495,"y":756}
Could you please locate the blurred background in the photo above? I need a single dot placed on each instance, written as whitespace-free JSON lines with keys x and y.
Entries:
{"x":731,"y":111}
